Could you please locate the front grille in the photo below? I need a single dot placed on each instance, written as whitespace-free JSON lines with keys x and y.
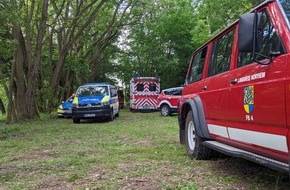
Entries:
{"x":89,"y":108}
{"x":89,"y":105}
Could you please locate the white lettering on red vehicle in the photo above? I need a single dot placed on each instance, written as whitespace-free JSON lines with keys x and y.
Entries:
{"x":249,"y":118}
{"x":244,"y":79}
{"x":252,"y":77}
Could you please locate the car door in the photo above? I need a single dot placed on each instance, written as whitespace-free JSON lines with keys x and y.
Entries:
{"x":256,"y":106}
{"x":214,"y":93}
{"x":174,"y":97}
{"x":114,"y":102}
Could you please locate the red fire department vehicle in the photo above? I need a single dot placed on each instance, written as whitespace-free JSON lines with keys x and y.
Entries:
{"x":167,"y":100}
{"x":236,"y":98}
{"x":121,"y":97}
{"x":144,"y":92}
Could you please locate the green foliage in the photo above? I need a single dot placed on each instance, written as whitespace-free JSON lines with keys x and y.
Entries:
{"x":124,"y":39}
{"x":7,"y":44}
{"x":4,"y":100}
{"x":213,"y":16}
{"x":160,"y":44}
{"x":8,"y":133}
{"x":168,"y":32}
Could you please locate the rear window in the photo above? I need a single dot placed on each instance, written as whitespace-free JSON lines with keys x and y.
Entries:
{"x":140,"y":87}
{"x":152,"y":87}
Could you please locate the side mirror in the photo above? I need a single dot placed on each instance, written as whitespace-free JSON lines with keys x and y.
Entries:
{"x":250,"y":32}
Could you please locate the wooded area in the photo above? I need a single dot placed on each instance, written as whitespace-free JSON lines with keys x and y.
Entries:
{"x":50,"y":47}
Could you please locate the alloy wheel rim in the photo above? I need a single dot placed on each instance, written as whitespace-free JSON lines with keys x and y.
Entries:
{"x":164,"y":110}
{"x":191,"y":135}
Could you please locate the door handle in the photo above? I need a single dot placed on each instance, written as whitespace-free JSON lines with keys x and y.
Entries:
{"x":204,"y":87}
{"x":234,"y":81}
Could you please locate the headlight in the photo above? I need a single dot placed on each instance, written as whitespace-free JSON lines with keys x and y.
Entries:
{"x":106,"y":103}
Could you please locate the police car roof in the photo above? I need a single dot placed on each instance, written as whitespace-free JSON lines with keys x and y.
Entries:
{"x":96,"y":83}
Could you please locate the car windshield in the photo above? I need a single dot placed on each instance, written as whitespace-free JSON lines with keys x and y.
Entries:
{"x":285,"y":5}
{"x":93,"y":91}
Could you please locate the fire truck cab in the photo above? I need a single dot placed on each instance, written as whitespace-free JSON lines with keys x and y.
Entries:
{"x":144,"y":92}
{"x":236,"y":98}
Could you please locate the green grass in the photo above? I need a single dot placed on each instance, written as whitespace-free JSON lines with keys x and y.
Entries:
{"x":135,"y":151}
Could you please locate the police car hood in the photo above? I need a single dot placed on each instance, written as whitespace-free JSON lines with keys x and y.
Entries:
{"x":66,"y":105}
{"x":90,"y":99}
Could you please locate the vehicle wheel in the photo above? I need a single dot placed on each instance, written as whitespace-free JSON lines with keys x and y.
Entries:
{"x":111,"y":116}
{"x":118,"y":114}
{"x":194,"y":146}
{"x":165,"y":110}
{"x":75,"y":120}
{"x":182,"y":136}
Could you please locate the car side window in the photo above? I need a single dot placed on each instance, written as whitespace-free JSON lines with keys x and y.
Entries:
{"x":166,"y":92}
{"x":113,"y":92}
{"x":271,"y":42}
{"x":221,"y":54}
{"x":197,"y":65}
{"x":173,"y":92}
{"x":178,"y":92}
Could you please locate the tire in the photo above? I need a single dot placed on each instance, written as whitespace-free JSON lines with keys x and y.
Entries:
{"x":118,"y":114}
{"x":111,"y":116}
{"x":182,"y":136}
{"x":165,"y":110}
{"x":75,"y":120}
{"x":194,"y":146}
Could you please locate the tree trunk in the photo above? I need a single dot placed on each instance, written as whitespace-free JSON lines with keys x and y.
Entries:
{"x":69,"y":83}
{"x":57,"y":71}
{"x":34,"y":66}
{"x":11,"y":117}
{"x":71,"y":38}
{"x":2,"y":107}
{"x":20,"y":87}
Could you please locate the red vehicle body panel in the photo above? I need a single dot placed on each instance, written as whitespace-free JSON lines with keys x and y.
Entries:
{"x":262,"y":128}
{"x":121,"y":98}
{"x":169,"y":97}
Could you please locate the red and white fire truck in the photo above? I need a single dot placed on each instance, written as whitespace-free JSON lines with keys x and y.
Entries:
{"x":144,"y":92}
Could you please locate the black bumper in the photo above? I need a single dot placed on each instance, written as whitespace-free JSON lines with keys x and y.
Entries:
{"x":91,"y":112}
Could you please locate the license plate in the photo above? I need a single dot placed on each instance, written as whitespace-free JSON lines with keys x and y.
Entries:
{"x":145,"y":107}
{"x":90,"y":115}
